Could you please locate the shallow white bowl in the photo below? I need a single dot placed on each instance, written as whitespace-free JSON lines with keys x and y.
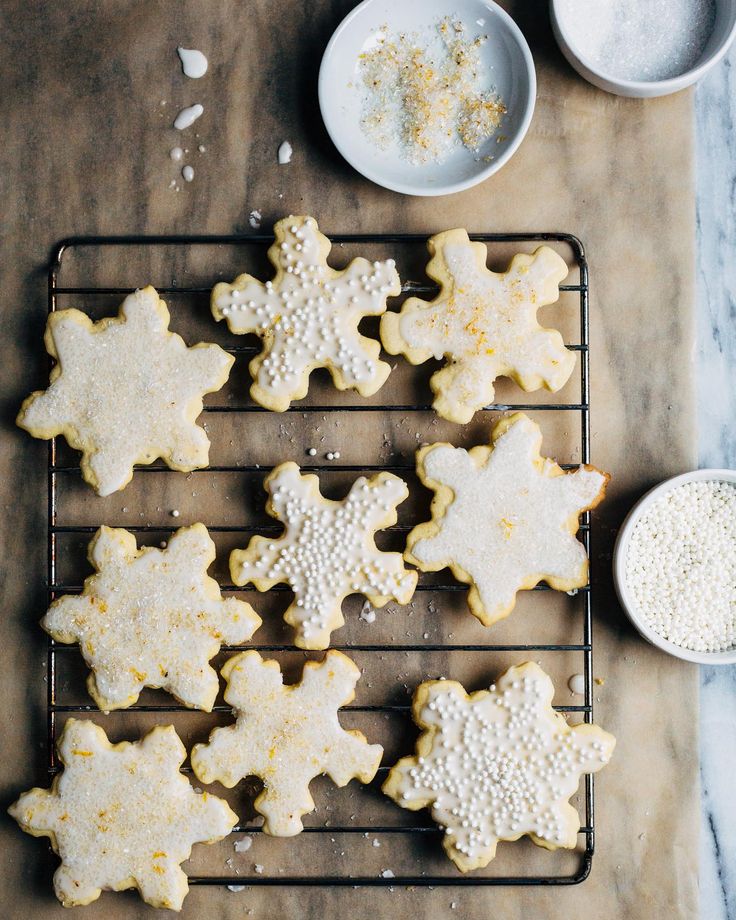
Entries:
{"x":724,"y":32}
{"x":619,"y":567}
{"x":506,"y":53}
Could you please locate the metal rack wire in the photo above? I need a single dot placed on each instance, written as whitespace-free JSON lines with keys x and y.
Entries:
{"x":56,"y":526}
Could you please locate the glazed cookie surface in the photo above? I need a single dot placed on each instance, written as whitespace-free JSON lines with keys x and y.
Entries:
{"x":308,"y":316}
{"x":497,"y":764}
{"x":286,"y":735}
{"x":151,"y":618}
{"x":125,"y":390}
{"x":327,"y":550}
{"x":503,"y":517}
{"x":122,"y":816}
{"x":484,"y":323}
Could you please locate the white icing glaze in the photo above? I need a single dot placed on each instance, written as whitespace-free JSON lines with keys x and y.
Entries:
{"x":286,"y":735}
{"x":187,"y":173}
{"x":125,"y":390}
{"x":285,"y":152}
{"x":193,"y":62}
{"x":577,"y":684}
{"x":308,"y":316}
{"x":497,"y":764}
{"x":122,"y":816}
{"x":484,"y":322}
{"x":151,"y":618}
{"x":504,"y":519}
{"x":327,"y":550}
{"x":187,"y":117}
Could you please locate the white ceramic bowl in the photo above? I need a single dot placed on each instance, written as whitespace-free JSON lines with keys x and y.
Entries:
{"x":506,"y":54}
{"x":619,"y":567}
{"x":724,"y":32}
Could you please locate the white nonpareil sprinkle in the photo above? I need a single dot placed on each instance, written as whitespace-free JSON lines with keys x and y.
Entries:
{"x":176,"y":154}
{"x":187,"y":173}
{"x":681,"y":566}
{"x":285,"y":152}
{"x":577,"y":684}
{"x":639,"y":39}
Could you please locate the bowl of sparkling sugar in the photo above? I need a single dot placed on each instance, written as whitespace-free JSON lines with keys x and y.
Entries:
{"x":674,"y":566}
{"x":643,"y":48}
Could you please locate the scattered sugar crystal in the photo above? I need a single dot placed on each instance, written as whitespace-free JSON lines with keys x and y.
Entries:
{"x":254,"y":219}
{"x":258,"y":868}
{"x":285,"y":152}
{"x":681,"y":566}
{"x":367,"y":613}
{"x":236,"y":888}
{"x":243,"y":845}
{"x":387,"y":873}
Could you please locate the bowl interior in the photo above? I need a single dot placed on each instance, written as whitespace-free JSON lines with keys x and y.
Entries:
{"x":619,"y":567}
{"x":505,"y":58}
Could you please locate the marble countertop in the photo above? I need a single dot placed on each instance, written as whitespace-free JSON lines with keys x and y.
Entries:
{"x":715,"y":104}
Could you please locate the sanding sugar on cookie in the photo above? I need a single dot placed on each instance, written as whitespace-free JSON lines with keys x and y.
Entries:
{"x":327,"y":550}
{"x":122,"y":816}
{"x":125,"y":390}
{"x":151,"y":618}
{"x":503,"y":517}
{"x":308,"y":316}
{"x":484,"y":323}
{"x":286,"y":735}
{"x":497,"y":764}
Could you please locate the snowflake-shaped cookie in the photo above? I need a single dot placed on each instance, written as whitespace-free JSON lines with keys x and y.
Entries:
{"x":484,"y":322}
{"x":503,"y":517}
{"x":286,"y":735}
{"x":151,"y":618}
{"x":497,"y":764}
{"x":308,"y":316}
{"x":125,"y":390}
{"x":327,"y":550}
{"x":122,"y":816}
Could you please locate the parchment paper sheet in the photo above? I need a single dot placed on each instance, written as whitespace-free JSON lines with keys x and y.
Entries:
{"x":85,"y":150}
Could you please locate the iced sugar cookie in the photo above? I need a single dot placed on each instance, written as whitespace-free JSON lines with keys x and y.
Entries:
{"x":503,"y":517}
{"x":125,"y":390}
{"x":308,"y":316}
{"x":327,"y":550}
{"x":286,"y":735}
{"x":151,"y":618}
{"x":497,"y":764}
{"x":122,"y":816}
{"x":484,"y":323}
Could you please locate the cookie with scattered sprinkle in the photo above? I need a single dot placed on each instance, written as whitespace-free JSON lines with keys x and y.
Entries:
{"x":122,"y":816}
{"x":484,"y":323}
{"x":125,"y":390}
{"x":503,"y":517}
{"x":151,"y":618}
{"x":496,"y":765}
{"x":286,"y":735}
{"x":327,"y":550}
{"x":308,"y":316}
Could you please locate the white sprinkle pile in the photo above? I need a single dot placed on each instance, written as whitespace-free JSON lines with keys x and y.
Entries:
{"x":681,"y":566}
{"x":643,"y":40}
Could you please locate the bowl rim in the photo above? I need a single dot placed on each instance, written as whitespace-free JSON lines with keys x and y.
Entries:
{"x":670,"y":84}
{"x":448,"y":188}
{"x":619,"y":566}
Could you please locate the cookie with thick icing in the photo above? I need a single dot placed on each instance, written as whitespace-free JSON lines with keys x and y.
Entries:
{"x":286,"y":735}
{"x":151,"y":618}
{"x":497,"y":764}
{"x":484,"y":323}
{"x":122,"y":816}
{"x":125,"y":390}
{"x":503,"y":517}
{"x":308,"y":316}
{"x":327,"y":550}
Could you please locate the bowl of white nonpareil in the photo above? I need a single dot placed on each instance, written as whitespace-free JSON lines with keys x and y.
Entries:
{"x":674,"y":566}
{"x":643,"y":48}
{"x":427,"y":97}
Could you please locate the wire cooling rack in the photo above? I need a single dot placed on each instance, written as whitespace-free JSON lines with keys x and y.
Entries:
{"x":112,"y":247}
